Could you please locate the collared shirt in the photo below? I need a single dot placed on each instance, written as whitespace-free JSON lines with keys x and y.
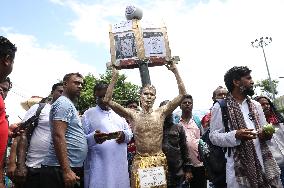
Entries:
{"x":192,"y":139}
{"x":220,"y":138}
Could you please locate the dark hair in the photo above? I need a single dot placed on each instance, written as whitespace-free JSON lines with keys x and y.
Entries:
{"x":235,"y":73}
{"x":273,"y":108}
{"x":44,"y":100}
{"x":164,"y":103}
{"x":187,"y":96}
{"x":56,"y":85}
{"x":68,"y":76}
{"x":131,"y":101}
{"x":7,"y":48}
{"x":169,"y":118}
{"x":7,"y":79}
{"x":214,"y":92}
{"x":100,"y":85}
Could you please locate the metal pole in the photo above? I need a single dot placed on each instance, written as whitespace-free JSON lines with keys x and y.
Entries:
{"x":261,"y":42}
{"x":270,"y":81}
{"x":144,"y":73}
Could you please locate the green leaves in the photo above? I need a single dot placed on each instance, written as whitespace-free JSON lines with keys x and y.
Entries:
{"x":269,"y":129}
{"x":265,"y":87}
{"x":123,"y":91}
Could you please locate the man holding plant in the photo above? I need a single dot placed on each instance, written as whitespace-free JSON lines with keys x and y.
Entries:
{"x":250,"y":162}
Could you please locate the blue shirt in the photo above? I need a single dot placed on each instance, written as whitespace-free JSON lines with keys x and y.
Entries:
{"x":63,"y":109}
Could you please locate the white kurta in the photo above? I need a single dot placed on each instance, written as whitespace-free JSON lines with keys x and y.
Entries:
{"x":220,"y":138}
{"x":106,"y":165}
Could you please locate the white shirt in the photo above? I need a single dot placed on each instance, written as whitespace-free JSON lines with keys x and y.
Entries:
{"x":220,"y":138}
{"x":276,"y":145}
{"x":106,"y":165}
{"x":40,"y":139}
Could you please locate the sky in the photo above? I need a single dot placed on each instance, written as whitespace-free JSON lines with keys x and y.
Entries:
{"x":56,"y":37}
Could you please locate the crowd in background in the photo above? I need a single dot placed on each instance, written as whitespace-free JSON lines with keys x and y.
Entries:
{"x":60,"y":148}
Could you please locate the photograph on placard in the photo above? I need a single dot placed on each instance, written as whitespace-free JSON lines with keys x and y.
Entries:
{"x":125,"y":45}
{"x":154,"y":43}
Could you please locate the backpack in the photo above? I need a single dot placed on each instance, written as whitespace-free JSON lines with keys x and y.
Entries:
{"x":32,"y":122}
{"x":212,"y":156}
{"x":176,"y":119}
{"x":197,"y":121}
{"x":24,"y":141}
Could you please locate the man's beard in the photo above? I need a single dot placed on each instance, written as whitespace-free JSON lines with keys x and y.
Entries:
{"x":247,"y":91}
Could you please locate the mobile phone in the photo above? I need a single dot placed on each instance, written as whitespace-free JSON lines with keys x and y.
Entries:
{"x":112,"y":135}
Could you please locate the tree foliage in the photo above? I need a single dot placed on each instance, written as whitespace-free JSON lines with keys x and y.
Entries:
{"x":265,"y":88}
{"x":123,"y":90}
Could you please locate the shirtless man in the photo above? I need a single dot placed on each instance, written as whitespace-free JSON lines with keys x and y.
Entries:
{"x":147,"y":125}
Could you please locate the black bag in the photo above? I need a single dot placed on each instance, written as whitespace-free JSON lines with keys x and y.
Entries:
{"x":213,"y":157}
{"x":32,"y":122}
{"x":23,"y":143}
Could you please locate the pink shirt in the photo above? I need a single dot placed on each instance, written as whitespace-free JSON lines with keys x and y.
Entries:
{"x":192,"y":139}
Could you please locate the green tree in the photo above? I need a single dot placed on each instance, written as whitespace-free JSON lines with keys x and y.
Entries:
{"x":123,"y":91}
{"x":264,"y":86}
{"x":279,"y":104}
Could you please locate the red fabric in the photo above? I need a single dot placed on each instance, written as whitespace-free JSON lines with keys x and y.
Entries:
{"x":205,"y":119}
{"x":3,"y":130}
{"x":131,"y":146}
{"x":272,"y":119}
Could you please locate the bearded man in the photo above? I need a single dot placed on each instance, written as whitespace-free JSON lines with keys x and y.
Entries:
{"x":250,"y":163}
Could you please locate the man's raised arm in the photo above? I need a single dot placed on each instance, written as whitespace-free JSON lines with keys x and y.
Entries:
{"x":120,"y":110}
{"x":172,"y":105}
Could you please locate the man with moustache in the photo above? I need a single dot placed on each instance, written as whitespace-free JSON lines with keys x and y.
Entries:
{"x":193,"y":135}
{"x":176,"y":151}
{"x":219,"y":93}
{"x":249,"y":161}
{"x":106,"y":164}
{"x":63,"y":165}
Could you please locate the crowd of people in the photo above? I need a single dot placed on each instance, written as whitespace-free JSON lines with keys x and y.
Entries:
{"x":113,"y":146}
